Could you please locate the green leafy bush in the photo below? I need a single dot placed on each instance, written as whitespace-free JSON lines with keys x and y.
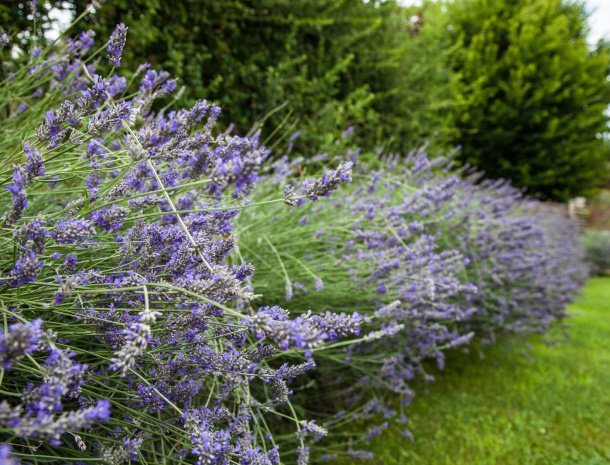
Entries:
{"x":333,"y":64}
{"x":513,"y":82}
{"x":597,"y":247}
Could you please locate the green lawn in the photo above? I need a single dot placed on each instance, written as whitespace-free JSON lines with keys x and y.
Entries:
{"x":549,"y":405}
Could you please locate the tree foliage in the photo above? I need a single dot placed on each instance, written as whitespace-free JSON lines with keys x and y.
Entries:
{"x":513,"y":82}
{"x":33,"y":17}
{"x":533,"y":93}
{"x":329,"y":64}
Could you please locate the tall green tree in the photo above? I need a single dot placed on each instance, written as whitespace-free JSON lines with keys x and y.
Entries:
{"x":534,"y":94}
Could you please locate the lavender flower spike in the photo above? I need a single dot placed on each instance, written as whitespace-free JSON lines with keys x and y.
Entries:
{"x":18,"y":194}
{"x":25,"y":270}
{"x":21,"y":339}
{"x":136,"y":340}
{"x":313,"y":190}
{"x":34,"y":165}
{"x":290,"y":196}
{"x":102,"y":122}
{"x":116,"y":44}
{"x":329,"y":182}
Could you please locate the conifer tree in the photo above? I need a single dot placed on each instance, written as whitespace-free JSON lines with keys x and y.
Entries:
{"x":534,"y":94}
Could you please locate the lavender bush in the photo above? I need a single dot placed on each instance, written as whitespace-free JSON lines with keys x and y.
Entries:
{"x":430,"y":258}
{"x":128,"y":336}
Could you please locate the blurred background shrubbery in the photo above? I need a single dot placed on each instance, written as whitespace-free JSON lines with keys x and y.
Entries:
{"x":597,"y":246}
{"x":514,"y":83}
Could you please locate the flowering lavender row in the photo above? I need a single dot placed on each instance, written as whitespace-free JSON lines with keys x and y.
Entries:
{"x":430,"y":258}
{"x":129,"y":335}
{"x":135,"y":326}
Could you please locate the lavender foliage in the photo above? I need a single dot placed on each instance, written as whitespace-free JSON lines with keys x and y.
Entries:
{"x":430,"y":257}
{"x":118,"y":226}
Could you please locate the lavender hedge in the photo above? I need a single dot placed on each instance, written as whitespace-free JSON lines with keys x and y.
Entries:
{"x":135,"y":327}
{"x":430,"y":258}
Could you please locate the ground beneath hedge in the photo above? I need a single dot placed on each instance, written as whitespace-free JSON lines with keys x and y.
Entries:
{"x":549,"y":405}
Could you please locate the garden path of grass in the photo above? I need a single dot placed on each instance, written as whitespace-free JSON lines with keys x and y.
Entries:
{"x":550,"y":405}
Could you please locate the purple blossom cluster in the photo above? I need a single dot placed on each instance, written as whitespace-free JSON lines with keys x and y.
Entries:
{"x":20,"y":340}
{"x":116,"y":44}
{"x":42,"y":413}
{"x":18,"y":196}
{"x":122,"y":264}
{"x":322,"y":187}
{"x":529,"y":261}
{"x":304,"y":332}
{"x":433,"y":259}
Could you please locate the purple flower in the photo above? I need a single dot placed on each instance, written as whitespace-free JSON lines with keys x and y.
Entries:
{"x":26,"y":269}
{"x":18,"y":195}
{"x":330,"y":181}
{"x":110,"y":219}
{"x":32,"y":235}
{"x":91,"y":98}
{"x":21,"y":339}
{"x":116,"y":85}
{"x":73,"y":230}
{"x":158,"y":83}
{"x":81,"y":45}
{"x":322,"y":187}
{"x":69,"y":264}
{"x":303,"y":457}
{"x":65,"y":289}
{"x":116,"y":44}
{"x":107,"y":119}
{"x":5,"y":456}
{"x":348,"y":132}
{"x":304,"y":332}
{"x":47,"y":427}
{"x":137,"y":337}
{"x":92,"y":182}
{"x":236,"y":163}
{"x":274,"y":456}
{"x":34,"y":164}
{"x":290,"y":372}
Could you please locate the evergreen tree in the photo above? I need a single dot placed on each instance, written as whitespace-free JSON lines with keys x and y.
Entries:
{"x":534,"y":94}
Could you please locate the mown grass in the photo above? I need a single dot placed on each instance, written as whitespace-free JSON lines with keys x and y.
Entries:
{"x":547,"y":405}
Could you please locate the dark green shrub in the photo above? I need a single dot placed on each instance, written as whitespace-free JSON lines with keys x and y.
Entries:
{"x":597,"y":247}
{"x":334,"y":63}
{"x":533,"y":94}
